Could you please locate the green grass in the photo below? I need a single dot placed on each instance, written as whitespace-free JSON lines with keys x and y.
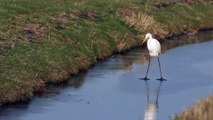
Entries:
{"x":44,"y":41}
{"x":180,"y":17}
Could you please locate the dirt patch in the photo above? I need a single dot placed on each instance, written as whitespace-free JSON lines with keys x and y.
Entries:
{"x":193,"y":2}
{"x":34,"y":33}
{"x":125,"y":13}
{"x":59,"y":26}
{"x":59,"y":21}
{"x":63,"y":17}
{"x":166,"y":3}
{"x":6,"y":43}
{"x":89,"y":15}
{"x":3,"y":42}
{"x":162,"y":4}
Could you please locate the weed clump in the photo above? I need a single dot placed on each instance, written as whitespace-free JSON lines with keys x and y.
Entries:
{"x":202,"y":111}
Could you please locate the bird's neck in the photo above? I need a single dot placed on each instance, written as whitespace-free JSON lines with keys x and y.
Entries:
{"x":149,"y":40}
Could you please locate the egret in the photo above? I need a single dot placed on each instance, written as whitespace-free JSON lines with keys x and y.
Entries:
{"x":154,"y":48}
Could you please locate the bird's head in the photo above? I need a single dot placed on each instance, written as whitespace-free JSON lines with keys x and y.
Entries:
{"x":148,"y":36}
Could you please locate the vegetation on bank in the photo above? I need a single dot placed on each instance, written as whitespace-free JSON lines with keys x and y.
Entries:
{"x":46,"y":41}
{"x":202,"y":111}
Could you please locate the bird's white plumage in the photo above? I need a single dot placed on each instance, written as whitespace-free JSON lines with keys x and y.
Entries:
{"x":154,"y":48}
{"x":153,"y":45}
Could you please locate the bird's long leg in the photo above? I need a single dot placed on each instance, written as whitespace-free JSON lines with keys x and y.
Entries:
{"x":147,"y":70}
{"x":161,"y":76}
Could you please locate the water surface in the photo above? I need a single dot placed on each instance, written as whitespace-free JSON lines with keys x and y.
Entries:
{"x":111,"y":90}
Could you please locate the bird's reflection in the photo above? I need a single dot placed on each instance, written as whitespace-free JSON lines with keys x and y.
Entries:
{"x":152,"y":101}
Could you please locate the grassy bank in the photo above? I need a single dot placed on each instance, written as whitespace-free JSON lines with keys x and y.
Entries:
{"x":46,"y":41}
{"x":202,"y":111}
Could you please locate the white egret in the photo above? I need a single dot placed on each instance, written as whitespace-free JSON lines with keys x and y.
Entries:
{"x":154,"y":48}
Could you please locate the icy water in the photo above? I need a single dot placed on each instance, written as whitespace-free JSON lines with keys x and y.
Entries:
{"x":111,"y":90}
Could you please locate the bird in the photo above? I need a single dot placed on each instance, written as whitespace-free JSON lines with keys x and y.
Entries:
{"x":154,"y":48}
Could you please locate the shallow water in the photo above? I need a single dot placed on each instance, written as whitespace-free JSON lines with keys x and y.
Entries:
{"x":111,"y":90}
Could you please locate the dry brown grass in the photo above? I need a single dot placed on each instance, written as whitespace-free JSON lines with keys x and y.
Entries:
{"x":143,"y":23}
{"x":202,"y":111}
{"x":122,"y":45}
{"x":104,"y":51}
{"x":38,"y":85}
{"x":59,"y":21}
{"x":34,"y":33}
{"x":57,"y":75}
{"x":20,"y":91}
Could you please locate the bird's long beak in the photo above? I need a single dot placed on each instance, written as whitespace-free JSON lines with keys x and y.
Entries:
{"x":144,"y":40}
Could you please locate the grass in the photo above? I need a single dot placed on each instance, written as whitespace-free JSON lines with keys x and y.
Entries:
{"x":202,"y":111}
{"x":46,"y":41}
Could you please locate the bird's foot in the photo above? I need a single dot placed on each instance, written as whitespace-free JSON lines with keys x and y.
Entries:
{"x":145,"y":78}
{"x":161,"y":79}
